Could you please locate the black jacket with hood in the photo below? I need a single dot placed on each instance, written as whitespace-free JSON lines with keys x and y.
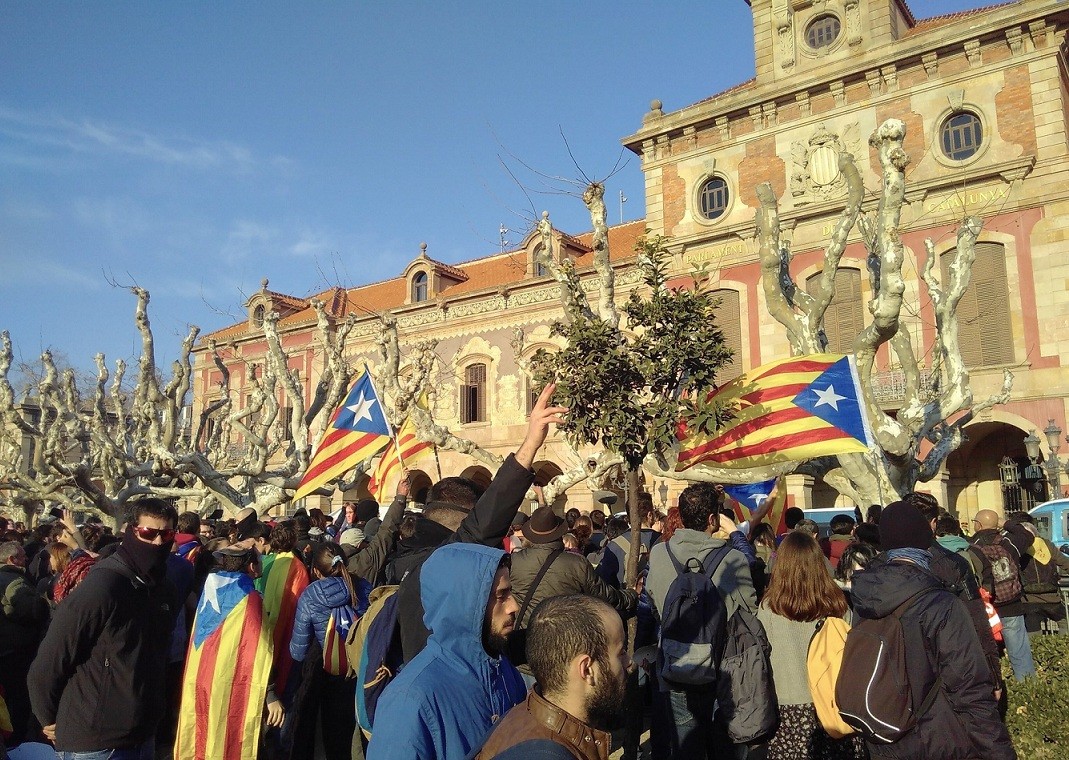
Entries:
{"x":963,"y":720}
{"x":487,"y":523}
{"x":99,"y":674}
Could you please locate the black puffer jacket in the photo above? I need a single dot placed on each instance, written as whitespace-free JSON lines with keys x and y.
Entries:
{"x":963,"y":720}
{"x":487,"y":523}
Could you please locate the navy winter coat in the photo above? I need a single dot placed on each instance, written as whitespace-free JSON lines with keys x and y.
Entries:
{"x":317,"y":601}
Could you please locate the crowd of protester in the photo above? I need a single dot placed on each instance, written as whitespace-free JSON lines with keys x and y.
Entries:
{"x":506,"y":633}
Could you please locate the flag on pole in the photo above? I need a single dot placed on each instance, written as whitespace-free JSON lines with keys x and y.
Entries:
{"x":228,"y":667}
{"x":790,"y":410}
{"x":750,"y":496}
{"x":409,"y":445}
{"x":356,"y":431}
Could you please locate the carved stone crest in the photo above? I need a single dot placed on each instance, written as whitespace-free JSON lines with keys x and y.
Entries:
{"x":815,"y":174}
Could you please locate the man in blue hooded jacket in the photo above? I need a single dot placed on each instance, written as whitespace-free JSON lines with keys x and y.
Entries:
{"x":445,"y":701}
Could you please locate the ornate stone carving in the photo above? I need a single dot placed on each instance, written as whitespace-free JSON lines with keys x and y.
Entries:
{"x":974,"y":54}
{"x":931,"y":64}
{"x":853,"y":22}
{"x":838,"y":91}
{"x":815,"y":174}
{"x":769,"y":110}
{"x":783,"y":18}
{"x":1038,"y":31}
{"x":875,"y":84}
{"x":724,"y":126}
{"x":1015,"y":39}
{"x":507,"y":410}
{"x":803,"y":103}
{"x":890,"y":76}
{"x":756,"y":118}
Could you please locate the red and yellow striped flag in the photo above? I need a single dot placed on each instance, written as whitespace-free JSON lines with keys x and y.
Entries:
{"x":357,"y":430}
{"x":409,"y":445}
{"x":282,"y":581}
{"x":787,"y":411}
{"x":228,"y":668}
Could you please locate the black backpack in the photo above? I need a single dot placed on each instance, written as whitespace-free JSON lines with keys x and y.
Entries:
{"x":693,"y":624}
{"x":746,"y":693}
{"x":873,"y":691}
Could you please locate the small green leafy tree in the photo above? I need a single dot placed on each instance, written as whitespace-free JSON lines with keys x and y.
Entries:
{"x":628,"y":386}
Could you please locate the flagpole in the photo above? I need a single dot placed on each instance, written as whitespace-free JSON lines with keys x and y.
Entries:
{"x":437,"y":461}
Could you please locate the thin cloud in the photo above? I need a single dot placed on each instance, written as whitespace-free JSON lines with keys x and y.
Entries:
{"x":37,"y":133}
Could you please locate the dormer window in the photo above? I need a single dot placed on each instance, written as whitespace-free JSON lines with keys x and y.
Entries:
{"x":419,"y":287}
{"x":258,"y":315}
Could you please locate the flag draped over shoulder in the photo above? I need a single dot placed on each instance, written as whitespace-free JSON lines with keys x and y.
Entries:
{"x":357,"y":430}
{"x":409,"y":445}
{"x":790,"y":410}
{"x":282,"y":581}
{"x":749,"y":497}
{"x":228,"y":668}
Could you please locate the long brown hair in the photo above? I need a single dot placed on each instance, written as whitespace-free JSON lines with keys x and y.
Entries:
{"x":801,"y":588}
{"x":583,"y":528}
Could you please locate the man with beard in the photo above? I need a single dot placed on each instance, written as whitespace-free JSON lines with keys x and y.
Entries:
{"x":97,"y":684}
{"x":446,"y":700}
{"x":578,"y":652}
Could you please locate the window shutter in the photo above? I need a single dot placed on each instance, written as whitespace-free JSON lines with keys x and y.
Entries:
{"x":473,"y":394}
{"x":729,"y":320}
{"x":845,"y":317}
{"x":985,"y":333}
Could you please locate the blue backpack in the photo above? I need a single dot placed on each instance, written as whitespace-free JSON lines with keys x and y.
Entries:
{"x":693,"y":624}
{"x":374,"y":653}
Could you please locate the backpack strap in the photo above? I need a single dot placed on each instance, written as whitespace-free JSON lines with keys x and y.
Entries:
{"x":680,"y":569}
{"x":538,"y":579}
{"x":715,"y":558}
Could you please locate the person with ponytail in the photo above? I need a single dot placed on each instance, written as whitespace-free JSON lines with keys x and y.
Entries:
{"x":326,"y":611}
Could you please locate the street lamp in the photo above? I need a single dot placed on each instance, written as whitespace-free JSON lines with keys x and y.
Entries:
{"x":1053,"y":464}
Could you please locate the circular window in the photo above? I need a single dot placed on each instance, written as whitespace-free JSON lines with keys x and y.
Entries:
{"x":713,"y":198}
{"x":822,"y":31}
{"x":961,"y":135}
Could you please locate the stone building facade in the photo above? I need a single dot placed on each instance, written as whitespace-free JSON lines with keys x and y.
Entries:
{"x":985,"y":97}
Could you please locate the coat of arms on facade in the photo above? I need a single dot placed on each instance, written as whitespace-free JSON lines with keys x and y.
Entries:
{"x":815,"y":174}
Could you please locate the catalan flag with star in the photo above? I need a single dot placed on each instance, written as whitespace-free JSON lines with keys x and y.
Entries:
{"x":749,"y":497}
{"x":228,"y":668}
{"x":404,"y":448}
{"x":357,"y":430}
{"x":791,"y":410}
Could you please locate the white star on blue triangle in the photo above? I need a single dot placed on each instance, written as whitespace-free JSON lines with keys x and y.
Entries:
{"x":833,"y":397}
{"x":223,"y":591}
{"x":361,"y":411}
{"x":751,"y":495}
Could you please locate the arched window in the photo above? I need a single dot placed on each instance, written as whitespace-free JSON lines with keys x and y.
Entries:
{"x":473,"y":394}
{"x":845,"y":317}
{"x":258,"y":315}
{"x":985,"y":333}
{"x":729,"y":320}
{"x":539,"y":269}
{"x":419,"y":287}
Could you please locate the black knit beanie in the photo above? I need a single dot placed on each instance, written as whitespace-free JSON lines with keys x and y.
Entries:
{"x":902,"y":525}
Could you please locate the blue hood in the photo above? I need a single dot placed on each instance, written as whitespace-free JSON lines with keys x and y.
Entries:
{"x":455,"y":588}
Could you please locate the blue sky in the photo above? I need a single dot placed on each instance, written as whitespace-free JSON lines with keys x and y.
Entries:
{"x":195,"y":148}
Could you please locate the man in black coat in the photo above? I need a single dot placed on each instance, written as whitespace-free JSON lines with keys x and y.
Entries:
{"x":98,"y":682}
{"x":945,"y":653}
{"x":456,"y":513}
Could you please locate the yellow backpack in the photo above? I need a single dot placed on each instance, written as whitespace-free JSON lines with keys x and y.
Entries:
{"x":823,"y":663}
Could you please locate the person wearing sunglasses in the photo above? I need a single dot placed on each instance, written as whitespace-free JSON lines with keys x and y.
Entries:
{"x":97,"y":684}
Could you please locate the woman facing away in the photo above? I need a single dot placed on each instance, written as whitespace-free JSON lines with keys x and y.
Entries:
{"x":800,"y":593}
{"x":325,"y":610}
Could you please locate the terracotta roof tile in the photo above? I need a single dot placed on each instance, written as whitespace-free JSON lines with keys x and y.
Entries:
{"x":479,"y":274}
{"x":927,"y":24}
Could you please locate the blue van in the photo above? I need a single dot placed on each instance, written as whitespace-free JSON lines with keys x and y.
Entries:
{"x":1052,"y":522}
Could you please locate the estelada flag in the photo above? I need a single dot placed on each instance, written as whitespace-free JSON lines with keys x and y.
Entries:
{"x":283,"y":578}
{"x":357,"y":430}
{"x":791,"y":410}
{"x":748,"y":497}
{"x":409,"y":444}
{"x":228,"y":668}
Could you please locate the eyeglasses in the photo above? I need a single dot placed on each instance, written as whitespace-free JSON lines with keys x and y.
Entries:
{"x":150,"y":534}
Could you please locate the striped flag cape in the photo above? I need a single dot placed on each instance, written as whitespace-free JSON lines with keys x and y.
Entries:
{"x":282,"y":581}
{"x":791,"y":410}
{"x":748,"y":497}
{"x":228,"y":667}
{"x":357,"y":430}
{"x":409,"y":444}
